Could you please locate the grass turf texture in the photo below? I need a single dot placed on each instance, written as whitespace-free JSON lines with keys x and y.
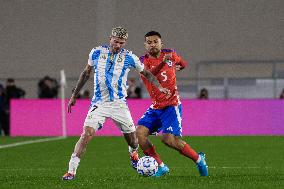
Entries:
{"x":234,"y":162}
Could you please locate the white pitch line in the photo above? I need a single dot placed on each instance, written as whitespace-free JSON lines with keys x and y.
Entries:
{"x":23,"y":169}
{"x":213,"y":167}
{"x":233,"y":167}
{"x":30,"y":142}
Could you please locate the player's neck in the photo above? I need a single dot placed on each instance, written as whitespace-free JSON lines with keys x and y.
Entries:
{"x":114,"y":52}
{"x":155,"y":55}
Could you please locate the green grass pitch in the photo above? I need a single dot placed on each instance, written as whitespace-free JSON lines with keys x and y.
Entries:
{"x":234,"y":162}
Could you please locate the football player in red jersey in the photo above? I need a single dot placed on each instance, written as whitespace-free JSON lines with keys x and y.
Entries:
{"x":165,"y":112}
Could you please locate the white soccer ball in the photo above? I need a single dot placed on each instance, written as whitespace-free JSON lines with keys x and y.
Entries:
{"x":147,"y":166}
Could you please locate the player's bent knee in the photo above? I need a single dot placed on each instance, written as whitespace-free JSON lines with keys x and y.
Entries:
{"x":180,"y":143}
{"x":142,"y":132}
{"x":166,"y":141}
{"x":138,"y":132}
{"x":89,"y":132}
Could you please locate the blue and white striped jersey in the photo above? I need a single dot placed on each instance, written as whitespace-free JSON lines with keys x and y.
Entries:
{"x":110,"y":73}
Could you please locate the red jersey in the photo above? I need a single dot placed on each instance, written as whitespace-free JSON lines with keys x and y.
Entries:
{"x":166,"y":75}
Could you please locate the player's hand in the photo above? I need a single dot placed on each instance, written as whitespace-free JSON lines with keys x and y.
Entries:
{"x":71,"y":103}
{"x":167,"y":57}
{"x":165,"y":91}
{"x":178,"y":67}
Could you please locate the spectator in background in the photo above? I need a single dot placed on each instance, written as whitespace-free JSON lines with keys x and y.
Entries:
{"x":133,"y":90}
{"x":48,"y":88}
{"x":11,"y":92}
{"x":282,"y":94}
{"x":203,"y":94}
{"x":86,"y":94}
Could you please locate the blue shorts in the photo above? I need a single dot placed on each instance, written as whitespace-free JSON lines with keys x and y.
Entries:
{"x":167,"y":120}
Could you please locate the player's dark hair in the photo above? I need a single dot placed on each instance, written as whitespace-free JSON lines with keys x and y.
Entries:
{"x":152,"y":33}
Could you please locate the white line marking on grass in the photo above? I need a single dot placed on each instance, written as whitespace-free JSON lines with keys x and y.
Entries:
{"x":249,"y":167}
{"x":30,"y":142}
{"x":24,"y":169}
{"x":244,"y":167}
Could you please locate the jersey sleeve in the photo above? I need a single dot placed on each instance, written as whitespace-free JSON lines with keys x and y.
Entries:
{"x":179,"y":61}
{"x":93,"y":56}
{"x":143,"y":60}
{"x":137,"y":63}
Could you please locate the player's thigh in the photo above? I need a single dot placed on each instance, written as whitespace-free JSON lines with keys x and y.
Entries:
{"x":171,"y":120}
{"x":121,"y":116}
{"x":142,"y":131}
{"x":151,"y":121}
{"x":168,"y":138}
{"x":96,"y":117}
{"x":172,"y":140}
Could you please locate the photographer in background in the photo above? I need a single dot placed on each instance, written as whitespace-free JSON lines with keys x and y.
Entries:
{"x":11,"y":92}
{"x":48,"y":88}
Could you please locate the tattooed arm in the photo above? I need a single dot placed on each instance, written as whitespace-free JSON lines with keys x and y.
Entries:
{"x":84,"y":76}
{"x":150,"y":77}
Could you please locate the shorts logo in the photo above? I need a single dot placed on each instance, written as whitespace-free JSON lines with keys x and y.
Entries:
{"x":169,"y":129}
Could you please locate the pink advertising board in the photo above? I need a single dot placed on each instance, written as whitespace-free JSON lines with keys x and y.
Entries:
{"x":200,"y":117}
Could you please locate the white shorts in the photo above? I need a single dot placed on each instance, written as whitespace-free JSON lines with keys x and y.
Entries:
{"x":118,"y":111}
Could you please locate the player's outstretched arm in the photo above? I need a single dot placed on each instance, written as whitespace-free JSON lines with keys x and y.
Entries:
{"x":181,"y":65}
{"x":148,"y":75}
{"x":84,"y":76}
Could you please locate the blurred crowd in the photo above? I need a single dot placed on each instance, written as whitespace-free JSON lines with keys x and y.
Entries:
{"x":48,"y":88}
{"x":133,"y":91}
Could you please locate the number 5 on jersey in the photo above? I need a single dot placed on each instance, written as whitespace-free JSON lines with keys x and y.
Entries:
{"x":163,"y":74}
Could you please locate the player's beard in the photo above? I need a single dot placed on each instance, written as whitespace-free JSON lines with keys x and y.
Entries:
{"x":115,"y":50}
{"x":154,"y":51}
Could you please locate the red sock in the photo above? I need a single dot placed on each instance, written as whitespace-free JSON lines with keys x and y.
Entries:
{"x":189,"y":152}
{"x":152,"y":152}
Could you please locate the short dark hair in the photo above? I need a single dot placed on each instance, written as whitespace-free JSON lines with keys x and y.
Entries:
{"x":152,"y":33}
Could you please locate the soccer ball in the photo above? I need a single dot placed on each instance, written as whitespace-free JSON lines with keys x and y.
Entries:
{"x":147,"y":166}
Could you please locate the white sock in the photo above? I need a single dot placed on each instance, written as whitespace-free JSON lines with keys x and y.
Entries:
{"x":131,"y":150}
{"x":73,"y":164}
{"x":199,"y":159}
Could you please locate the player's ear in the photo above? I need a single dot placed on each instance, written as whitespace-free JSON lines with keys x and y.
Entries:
{"x":124,"y":43}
